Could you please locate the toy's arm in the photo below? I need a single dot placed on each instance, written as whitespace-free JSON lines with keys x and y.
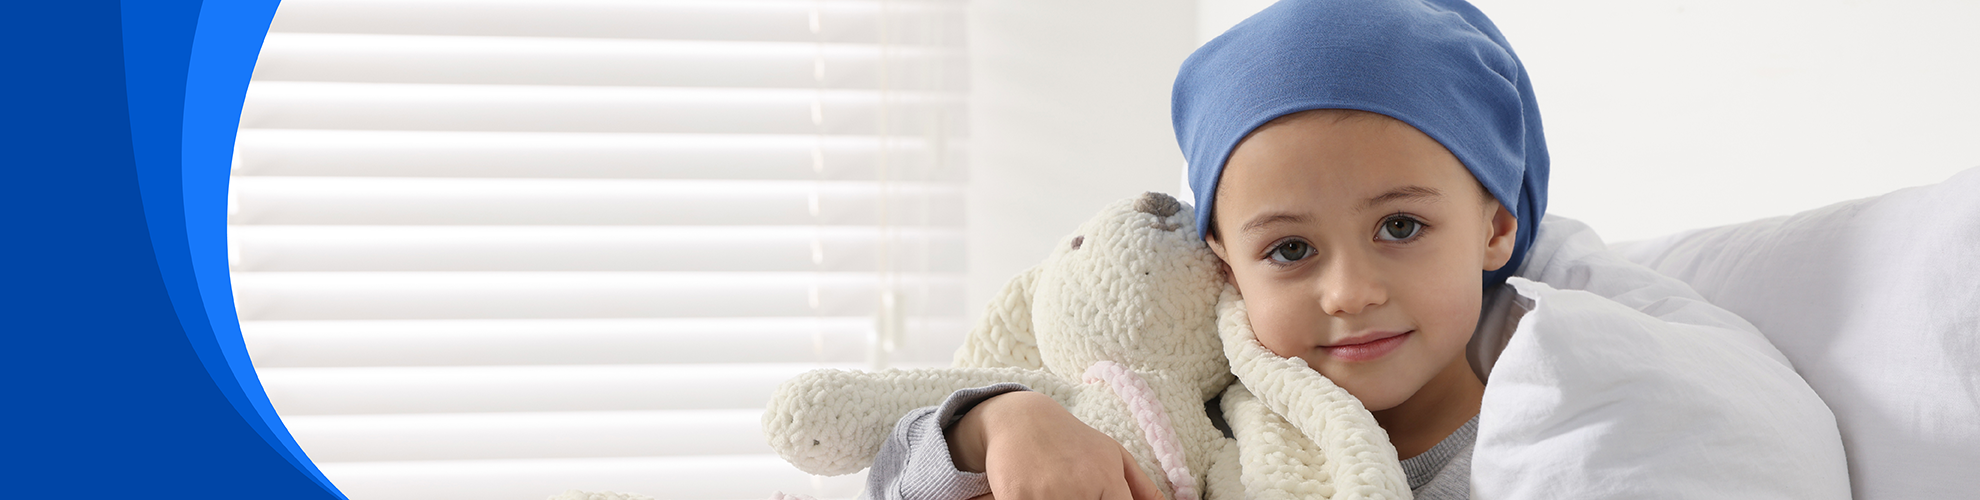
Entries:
{"x":1355,"y":446}
{"x":832,"y":422}
{"x":1004,"y":337}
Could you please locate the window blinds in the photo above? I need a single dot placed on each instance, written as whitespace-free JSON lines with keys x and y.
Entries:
{"x":498,"y":249}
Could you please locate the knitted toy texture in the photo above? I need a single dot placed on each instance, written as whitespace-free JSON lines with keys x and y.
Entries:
{"x":1299,"y":435}
{"x":1128,"y":324}
{"x":1118,"y":324}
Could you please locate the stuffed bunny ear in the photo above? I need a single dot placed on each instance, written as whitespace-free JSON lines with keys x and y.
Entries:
{"x":1004,"y":338}
{"x":1295,"y":398}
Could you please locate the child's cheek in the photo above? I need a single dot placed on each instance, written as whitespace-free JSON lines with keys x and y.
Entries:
{"x":1281,"y":324}
{"x":1279,"y":342}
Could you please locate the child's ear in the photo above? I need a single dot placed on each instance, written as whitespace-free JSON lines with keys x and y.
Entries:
{"x":1503,"y":230}
{"x":1223,"y":263}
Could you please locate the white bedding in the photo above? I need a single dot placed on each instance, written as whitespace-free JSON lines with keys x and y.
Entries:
{"x":1619,"y":382}
{"x":1877,"y":303}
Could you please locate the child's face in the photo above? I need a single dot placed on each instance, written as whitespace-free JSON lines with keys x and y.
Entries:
{"x":1359,"y":244}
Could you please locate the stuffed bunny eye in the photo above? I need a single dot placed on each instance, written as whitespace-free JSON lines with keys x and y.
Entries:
{"x":1077,"y":240}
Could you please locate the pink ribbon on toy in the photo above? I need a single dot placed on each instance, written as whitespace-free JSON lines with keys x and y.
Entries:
{"x":1154,"y":421}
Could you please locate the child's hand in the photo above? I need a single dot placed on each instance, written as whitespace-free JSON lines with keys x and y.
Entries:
{"x":1033,"y":449}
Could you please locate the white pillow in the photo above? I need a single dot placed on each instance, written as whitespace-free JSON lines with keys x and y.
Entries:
{"x":1877,"y":303}
{"x":1618,"y":382}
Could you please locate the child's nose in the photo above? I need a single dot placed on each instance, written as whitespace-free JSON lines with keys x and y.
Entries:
{"x":1347,"y":286}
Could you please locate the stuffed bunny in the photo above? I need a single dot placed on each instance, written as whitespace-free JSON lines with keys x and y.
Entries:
{"x":1121,"y":325}
{"x":1118,"y":325}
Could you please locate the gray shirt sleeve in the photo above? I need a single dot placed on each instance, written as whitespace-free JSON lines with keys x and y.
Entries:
{"x":914,"y":462}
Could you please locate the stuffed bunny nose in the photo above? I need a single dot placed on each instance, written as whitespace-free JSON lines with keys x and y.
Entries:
{"x":1157,"y":203}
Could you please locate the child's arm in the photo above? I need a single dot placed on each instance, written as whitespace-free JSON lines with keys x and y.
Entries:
{"x":914,"y":462}
{"x":1030,"y":447}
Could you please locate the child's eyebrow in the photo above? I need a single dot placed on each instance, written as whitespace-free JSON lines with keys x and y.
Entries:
{"x":1263,"y":220}
{"x":1397,"y":194}
{"x":1405,"y":193}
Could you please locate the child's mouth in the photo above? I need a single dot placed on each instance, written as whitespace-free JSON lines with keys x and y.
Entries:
{"x":1367,"y":350}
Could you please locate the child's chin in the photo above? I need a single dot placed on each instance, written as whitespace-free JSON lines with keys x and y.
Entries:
{"x":1382,"y":404}
{"x":1375,"y":396}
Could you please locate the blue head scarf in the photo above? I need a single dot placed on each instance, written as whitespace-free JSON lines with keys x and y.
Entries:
{"x":1438,"y":65}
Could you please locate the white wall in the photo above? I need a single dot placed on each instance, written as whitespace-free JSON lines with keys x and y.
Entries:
{"x":1215,"y":16}
{"x":1069,"y":110}
{"x":1668,"y":115}
{"x":1661,"y":115}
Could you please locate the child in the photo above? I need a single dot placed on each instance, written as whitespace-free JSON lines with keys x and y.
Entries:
{"x":1367,"y":170}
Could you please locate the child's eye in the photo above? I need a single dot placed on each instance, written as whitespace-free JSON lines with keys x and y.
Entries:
{"x":1290,"y":252}
{"x":1399,"y":228}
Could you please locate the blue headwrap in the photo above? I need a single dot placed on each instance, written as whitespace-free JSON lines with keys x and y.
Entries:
{"x":1438,"y":65}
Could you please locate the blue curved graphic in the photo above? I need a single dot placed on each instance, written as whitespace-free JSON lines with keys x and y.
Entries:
{"x":128,"y":373}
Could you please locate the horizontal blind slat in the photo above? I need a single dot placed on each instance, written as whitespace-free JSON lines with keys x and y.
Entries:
{"x":458,"y":201}
{"x":718,"y":477}
{"x":463,"y":389}
{"x":543,"y":108}
{"x":326,"y":57}
{"x":325,"y":248}
{"x":845,"y":21}
{"x":521,"y":295}
{"x":557,"y":341}
{"x":422,"y":153}
{"x":481,"y":436}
